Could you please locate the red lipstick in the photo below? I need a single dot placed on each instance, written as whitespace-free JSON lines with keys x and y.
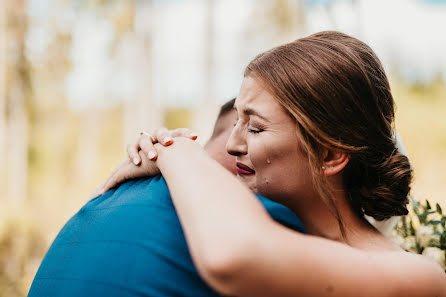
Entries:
{"x":243,"y":169}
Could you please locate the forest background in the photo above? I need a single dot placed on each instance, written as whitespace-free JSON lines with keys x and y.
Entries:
{"x":80,"y":78}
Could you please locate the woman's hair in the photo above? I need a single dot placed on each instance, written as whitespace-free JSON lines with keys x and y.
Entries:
{"x":335,"y":87}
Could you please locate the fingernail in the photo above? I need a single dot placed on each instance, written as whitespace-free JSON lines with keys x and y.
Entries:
{"x":135,"y":161}
{"x":167,"y":140}
{"x":193,"y":135}
{"x":151,"y":155}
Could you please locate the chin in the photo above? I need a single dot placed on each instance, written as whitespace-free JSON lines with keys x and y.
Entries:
{"x":249,"y":182}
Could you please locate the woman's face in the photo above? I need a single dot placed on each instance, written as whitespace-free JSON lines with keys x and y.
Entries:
{"x":265,"y":142}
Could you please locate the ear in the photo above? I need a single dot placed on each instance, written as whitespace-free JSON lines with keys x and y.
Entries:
{"x":334,"y":161}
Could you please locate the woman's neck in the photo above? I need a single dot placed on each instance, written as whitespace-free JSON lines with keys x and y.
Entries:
{"x":320,"y":221}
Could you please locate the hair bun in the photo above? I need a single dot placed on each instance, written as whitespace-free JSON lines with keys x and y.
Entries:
{"x":386,"y":187}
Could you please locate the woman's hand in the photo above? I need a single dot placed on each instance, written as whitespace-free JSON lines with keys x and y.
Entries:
{"x":142,"y":155}
{"x":145,"y":142}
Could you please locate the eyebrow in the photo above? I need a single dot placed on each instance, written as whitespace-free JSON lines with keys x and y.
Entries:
{"x":249,"y":111}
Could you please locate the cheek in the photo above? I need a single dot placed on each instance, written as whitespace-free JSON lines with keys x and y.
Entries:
{"x":281,"y":170}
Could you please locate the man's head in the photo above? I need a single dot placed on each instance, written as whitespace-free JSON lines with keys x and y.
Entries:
{"x":216,"y":146}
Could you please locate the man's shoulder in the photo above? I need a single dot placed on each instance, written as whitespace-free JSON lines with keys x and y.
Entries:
{"x":128,"y":241}
{"x":131,"y":212}
{"x":282,"y":214}
{"x":139,"y":192}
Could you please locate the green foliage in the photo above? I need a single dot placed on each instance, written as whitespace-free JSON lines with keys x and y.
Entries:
{"x":423,"y":231}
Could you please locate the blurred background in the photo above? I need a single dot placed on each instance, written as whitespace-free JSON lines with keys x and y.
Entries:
{"x":80,"y":78}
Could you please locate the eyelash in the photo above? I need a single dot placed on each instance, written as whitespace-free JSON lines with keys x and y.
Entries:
{"x":255,"y":131}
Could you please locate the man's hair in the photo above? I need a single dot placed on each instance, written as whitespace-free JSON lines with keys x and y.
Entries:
{"x":224,"y":110}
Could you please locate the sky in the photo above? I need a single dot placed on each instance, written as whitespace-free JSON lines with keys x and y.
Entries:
{"x":408,"y":36}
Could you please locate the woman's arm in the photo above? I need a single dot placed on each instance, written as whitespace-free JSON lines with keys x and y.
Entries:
{"x":240,"y":250}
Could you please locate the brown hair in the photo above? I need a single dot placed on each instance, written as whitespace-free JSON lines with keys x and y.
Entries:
{"x":227,"y":107}
{"x":335,"y":87}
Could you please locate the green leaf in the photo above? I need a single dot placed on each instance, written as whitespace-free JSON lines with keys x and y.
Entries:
{"x":435,"y":243}
{"x":430,"y":212}
{"x":439,"y":210}
{"x":434,"y":222}
{"x":415,"y":205}
{"x":404,"y":230}
{"x":428,"y":205}
{"x":422,"y":218}
{"x":412,"y":229}
{"x":443,"y":241}
{"x":419,"y":248}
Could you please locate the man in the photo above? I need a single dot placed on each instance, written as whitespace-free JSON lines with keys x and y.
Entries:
{"x":216,"y":146}
{"x":129,"y":241}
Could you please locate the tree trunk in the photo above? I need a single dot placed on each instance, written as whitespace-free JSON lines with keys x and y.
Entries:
{"x":149,"y":113}
{"x":300,"y":15}
{"x":16,"y":94}
{"x":142,"y":113}
{"x":206,"y":113}
{"x":88,"y":147}
{"x":2,"y":100}
{"x":209,"y":81}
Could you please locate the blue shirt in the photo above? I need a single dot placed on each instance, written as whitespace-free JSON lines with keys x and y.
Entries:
{"x":128,"y":242}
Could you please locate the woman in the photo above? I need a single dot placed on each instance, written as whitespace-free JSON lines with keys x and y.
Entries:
{"x":314,"y":132}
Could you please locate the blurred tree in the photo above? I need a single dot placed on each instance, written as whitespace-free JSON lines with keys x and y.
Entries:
{"x":2,"y":99}
{"x":280,"y":20}
{"x":17,"y":91}
{"x":206,"y":112}
{"x":22,"y":245}
{"x":48,"y":43}
{"x":287,"y":15}
{"x":88,"y":136}
{"x":209,"y":73}
{"x":177,"y":117}
{"x":135,"y":25}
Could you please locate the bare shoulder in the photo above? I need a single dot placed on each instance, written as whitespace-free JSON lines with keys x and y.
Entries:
{"x":412,"y":274}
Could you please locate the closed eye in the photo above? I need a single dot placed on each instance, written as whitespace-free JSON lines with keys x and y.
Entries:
{"x":255,"y":131}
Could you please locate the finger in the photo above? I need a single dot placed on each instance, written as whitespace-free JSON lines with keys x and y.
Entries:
{"x":132,"y":152}
{"x":146,"y":145}
{"x":184,"y":132}
{"x":163,"y":136}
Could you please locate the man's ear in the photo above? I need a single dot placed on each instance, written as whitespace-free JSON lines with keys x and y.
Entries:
{"x":334,"y":161}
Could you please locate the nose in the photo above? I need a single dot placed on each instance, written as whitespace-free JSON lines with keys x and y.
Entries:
{"x":236,"y":145}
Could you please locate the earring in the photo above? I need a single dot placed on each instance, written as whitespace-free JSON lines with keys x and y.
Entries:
{"x":323,"y":167}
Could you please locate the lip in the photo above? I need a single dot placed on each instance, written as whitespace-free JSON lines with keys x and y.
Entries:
{"x":244,"y":169}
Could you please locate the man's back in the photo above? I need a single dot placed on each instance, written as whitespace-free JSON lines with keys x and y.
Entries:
{"x":128,"y":242}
